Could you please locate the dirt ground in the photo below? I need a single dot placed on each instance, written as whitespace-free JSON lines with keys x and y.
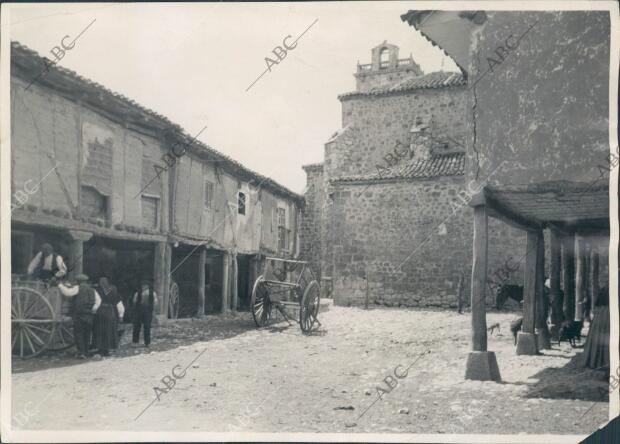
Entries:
{"x":239,"y":378}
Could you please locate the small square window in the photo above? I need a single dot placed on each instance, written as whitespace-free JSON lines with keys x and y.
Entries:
{"x":241,"y":203}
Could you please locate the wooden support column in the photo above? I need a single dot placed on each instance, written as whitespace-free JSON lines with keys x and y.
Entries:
{"x":557,"y":315}
{"x":225,"y":279}
{"x":160,"y":271}
{"x":168,"y":279}
{"x":568,"y":267}
{"x":75,"y":265}
{"x":481,"y":364}
{"x":202,"y":265}
{"x":234,"y":282}
{"x":580,"y":277}
{"x":587,"y":281}
{"x":594,"y":260}
{"x":542,"y":301}
{"x":526,"y":339}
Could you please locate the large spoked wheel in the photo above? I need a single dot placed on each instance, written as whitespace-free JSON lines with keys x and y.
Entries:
{"x":260,"y":303}
{"x":32,"y":322}
{"x":63,"y":336}
{"x":309,"y":308}
{"x":173,"y":302}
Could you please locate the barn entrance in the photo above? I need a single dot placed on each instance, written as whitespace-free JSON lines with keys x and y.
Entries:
{"x":244,"y":282}
{"x":185,"y":271}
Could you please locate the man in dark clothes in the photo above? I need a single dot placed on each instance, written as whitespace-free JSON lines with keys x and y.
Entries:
{"x":143,"y":303}
{"x":85,"y":304}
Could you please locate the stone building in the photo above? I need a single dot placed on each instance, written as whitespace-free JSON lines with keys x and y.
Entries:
{"x":123,"y":192}
{"x":538,"y":98}
{"x":386,"y":216}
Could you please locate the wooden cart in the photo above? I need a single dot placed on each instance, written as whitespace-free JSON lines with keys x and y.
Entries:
{"x":285,"y":284}
{"x":39,"y":318}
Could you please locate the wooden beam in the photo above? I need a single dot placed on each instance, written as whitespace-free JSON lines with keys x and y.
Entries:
{"x":541,"y":302}
{"x":580,"y":278}
{"x":202,"y":265}
{"x":568,"y":276}
{"x":159,"y":276}
{"x":225,"y":279}
{"x":234,"y":282}
{"x":557,"y":316}
{"x":478,"y":280}
{"x":529,"y":283}
{"x":594,"y":264}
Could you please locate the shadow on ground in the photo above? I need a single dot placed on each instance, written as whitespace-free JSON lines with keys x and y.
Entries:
{"x":166,"y":337}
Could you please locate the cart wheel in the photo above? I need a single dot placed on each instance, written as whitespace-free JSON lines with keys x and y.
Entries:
{"x":309,"y":308}
{"x":63,"y":336}
{"x":32,"y":322}
{"x":173,"y":302}
{"x":260,"y":303}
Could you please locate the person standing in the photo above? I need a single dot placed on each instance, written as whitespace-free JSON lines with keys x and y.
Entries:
{"x":144,"y":301}
{"x":85,"y":304}
{"x":596,"y":350}
{"x":107,"y":318}
{"x":47,"y":265}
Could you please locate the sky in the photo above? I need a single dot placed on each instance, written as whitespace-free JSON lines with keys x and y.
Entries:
{"x":194,"y":62}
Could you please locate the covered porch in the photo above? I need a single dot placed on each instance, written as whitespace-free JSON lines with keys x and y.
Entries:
{"x":576,"y":218}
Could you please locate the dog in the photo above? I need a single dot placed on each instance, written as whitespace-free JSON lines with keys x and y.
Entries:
{"x":508,"y":291}
{"x":569,"y":331}
{"x":494,"y":327}
{"x":515,"y":327}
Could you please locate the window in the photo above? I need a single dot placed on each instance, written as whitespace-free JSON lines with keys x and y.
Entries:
{"x":150,"y":206}
{"x":208,"y":194}
{"x":283,"y":232}
{"x":241,"y":203}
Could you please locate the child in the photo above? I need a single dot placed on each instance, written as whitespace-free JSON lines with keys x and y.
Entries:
{"x":143,"y":303}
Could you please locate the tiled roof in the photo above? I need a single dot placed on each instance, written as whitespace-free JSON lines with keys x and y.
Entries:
{"x":98,"y":94}
{"x":434,"y":80}
{"x":436,"y":166}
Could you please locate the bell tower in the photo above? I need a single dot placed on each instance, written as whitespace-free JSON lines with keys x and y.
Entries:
{"x":385,"y":69}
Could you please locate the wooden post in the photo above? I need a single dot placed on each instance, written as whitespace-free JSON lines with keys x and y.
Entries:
{"x":202,"y":265}
{"x":234,"y":282}
{"x":594,"y":275}
{"x":481,"y":364}
{"x":557,"y":316}
{"x":526,"y":339}
{"x":168,"y":279}
{"x":568,"y":265}
{"x":541,"y":301}
{"x":587,"y":282}
{"x":459,"y":294}
{"x":159,"y":277}
{"x":478,"y":280}
{"x":367,"y":295}
{"x":225,"y":262}
{"x":580,"y":278}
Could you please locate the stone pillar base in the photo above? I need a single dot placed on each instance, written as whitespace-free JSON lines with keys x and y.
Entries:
{"x":482,"y":366}
{"x":526,"y":344}
{"x":543,"y":339}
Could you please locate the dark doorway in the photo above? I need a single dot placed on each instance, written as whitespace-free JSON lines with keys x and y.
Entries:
{"x":213,"y":282}
{"x":125,"y":263}
{"x":244,"y":292}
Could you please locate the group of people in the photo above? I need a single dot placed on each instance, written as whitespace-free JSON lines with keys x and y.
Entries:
{"x":97,"y":311}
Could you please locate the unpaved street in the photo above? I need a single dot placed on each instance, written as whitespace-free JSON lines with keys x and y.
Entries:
{"x":277,"y":380}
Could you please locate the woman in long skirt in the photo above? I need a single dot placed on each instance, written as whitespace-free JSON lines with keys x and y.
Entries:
{"x":596,"y":350}
{"x":110,"y":312}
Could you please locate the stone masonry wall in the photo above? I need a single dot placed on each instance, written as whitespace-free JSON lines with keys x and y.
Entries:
{"x":313,"y":218}
{"x":427,"y":227}
{"x":375,"y":123}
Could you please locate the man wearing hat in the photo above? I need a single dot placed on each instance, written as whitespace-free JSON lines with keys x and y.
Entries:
{"x":85,"y":304}
{"x":47,"y":265}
